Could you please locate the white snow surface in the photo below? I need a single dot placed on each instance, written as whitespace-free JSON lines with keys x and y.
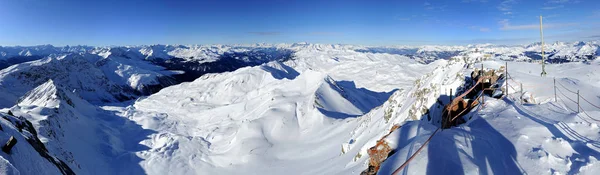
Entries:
{"x":318,"y":113}
{"x":271,"y":120}
{"x":274,"y":118}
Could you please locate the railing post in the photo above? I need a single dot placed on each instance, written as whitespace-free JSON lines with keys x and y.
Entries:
{"x":521,"y":93}
{"x":482,"y":90}
{"x":555,"y":89}
{"x":577,"y":101}
{"x":506,"y":79}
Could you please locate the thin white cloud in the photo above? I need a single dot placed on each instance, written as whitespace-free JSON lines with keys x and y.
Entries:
{"x":551,"y":16}
{"x":469,"y":1}
{"x":595,"y":14}
{"x":325,"y":33}
{"x":506,"y":5}
{"x":505,"y":25}
{"x":558,"y":1}
{"x":269,"y":33}
{"x":429,"y":6}
{"x":481,"y":29}
{"x":552,"y":7}
{"x":563,"y":1}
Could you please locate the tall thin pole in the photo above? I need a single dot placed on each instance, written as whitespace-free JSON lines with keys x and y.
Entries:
{"x":482,"y":89}
{"x":578,"y":101}
{"x":522,"y":93}
{"x":506,"y":79}
{"x":555,"y":89}
{"x":543,"y":56}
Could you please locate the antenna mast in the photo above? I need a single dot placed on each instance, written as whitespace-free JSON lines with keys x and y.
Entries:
{"x":542,"y":36}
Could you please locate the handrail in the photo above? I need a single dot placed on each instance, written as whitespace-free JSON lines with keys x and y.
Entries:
{"x":461,"y":97}
{"x":415,"y":154}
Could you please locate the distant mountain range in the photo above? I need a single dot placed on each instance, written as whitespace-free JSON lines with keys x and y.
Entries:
{"x":111,"y":74}
{"x":175,"y":109}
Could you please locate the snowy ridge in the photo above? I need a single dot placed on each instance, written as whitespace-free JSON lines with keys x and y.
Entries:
{"x":53,"y":111}
{"x":514,"y":138}
{"x":74,"y":71}
{"x":85,"y":137}
{"x":29,"y":155}
{"x":556,"y":52}
{"x":273,"y":114}
{"x":124,"y":66}
{"x":302,"y":108}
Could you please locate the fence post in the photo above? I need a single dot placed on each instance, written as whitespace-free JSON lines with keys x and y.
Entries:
{"x":482,"y":89}
{"x":506,"y":79}
{"x":555,"y":89}
{"x":521,"y":93}
{"x":577,"y":101}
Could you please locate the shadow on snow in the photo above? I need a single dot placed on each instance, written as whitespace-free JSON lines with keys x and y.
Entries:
{"x":122,"y":152}
{"x":582,"y":152}
{"x":491,"y":151}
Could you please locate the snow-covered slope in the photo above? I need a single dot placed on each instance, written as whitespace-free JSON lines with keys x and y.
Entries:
{"x":125,"y":67}
{"x":275,"y":118}
{"x":74,"y":71}
{"x":301,"y":109}
{"x":87,"y":138}
{"x":29,"y":155}
{"x":508,"y":137}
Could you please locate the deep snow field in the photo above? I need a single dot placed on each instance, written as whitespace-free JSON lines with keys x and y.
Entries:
{"x":317,"y":113}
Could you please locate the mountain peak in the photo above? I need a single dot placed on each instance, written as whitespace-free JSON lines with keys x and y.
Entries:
{"x":47,"y":94}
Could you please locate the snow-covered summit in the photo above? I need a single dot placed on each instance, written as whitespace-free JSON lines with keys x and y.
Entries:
{"x":73,"y":71}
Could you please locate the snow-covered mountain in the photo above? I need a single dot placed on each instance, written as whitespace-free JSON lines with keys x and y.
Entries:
{"x":558,"y":52}
{"x":116,"y":74}
{"x":29,"y":155}
{"x":291,"y":108}
{"x":269,"y":115}
{"x":76,"y":72}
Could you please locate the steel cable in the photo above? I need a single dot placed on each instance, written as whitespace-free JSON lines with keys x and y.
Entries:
{"x":415,"y":154}
{"x":589,"y":115}
{"x":589,"y":102}
{"x":565,"y":103}
{"x":566,"y":96}
{"x":566,"y":88}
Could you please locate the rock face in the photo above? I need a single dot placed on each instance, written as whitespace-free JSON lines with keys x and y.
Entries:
{"x":66,"y":125}
{"x":29,"y":155}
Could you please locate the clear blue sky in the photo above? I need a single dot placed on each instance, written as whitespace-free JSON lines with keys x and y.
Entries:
{"x":378,"y":22}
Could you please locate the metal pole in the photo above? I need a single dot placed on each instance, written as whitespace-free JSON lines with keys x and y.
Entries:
{"x":542,"y":36}
{"x":555,"y":89}
{"x":506,"y":79}
{"x":577,"y":101}
{"x":482,"y":90}
{"x":521,"y":93}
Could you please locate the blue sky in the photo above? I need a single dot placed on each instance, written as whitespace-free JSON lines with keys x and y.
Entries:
{"x":379,"y":22}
